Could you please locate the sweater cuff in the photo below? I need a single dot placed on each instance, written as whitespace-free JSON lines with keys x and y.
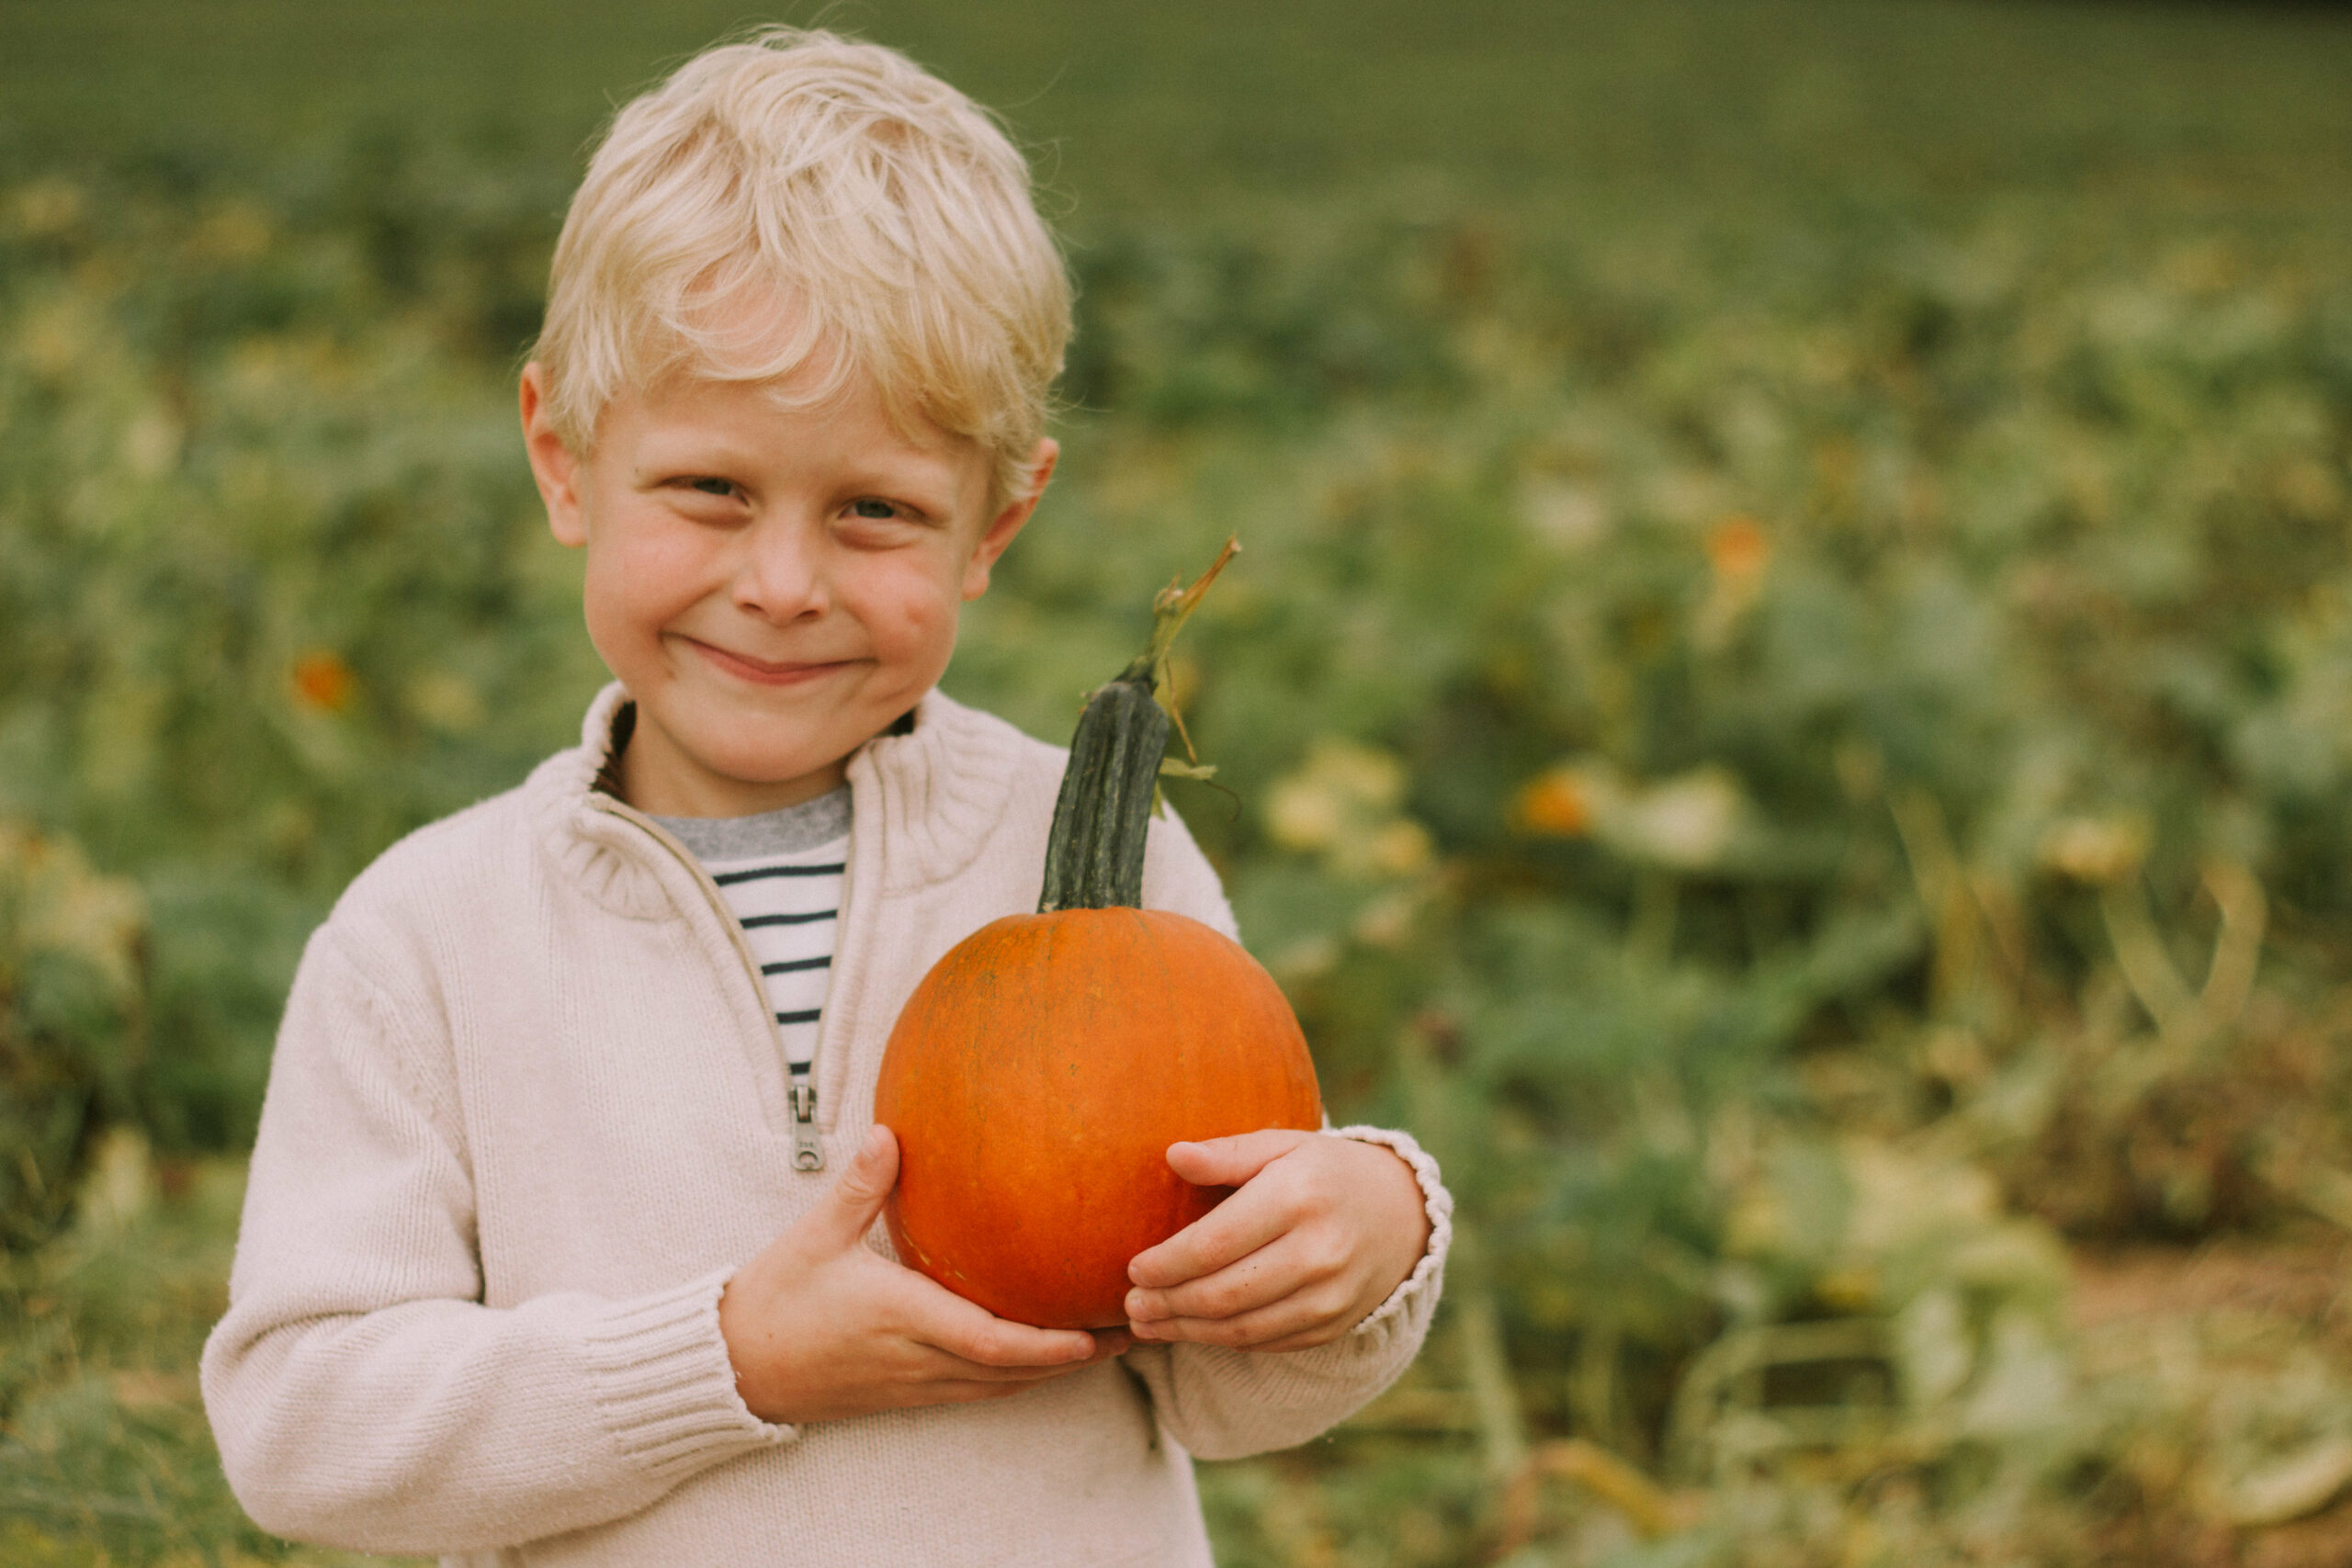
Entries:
{"x":1419,"y":1289}
{"x":658,"y":1370}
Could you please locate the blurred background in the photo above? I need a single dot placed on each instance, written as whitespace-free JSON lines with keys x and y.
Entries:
{"x":1788,"y":707}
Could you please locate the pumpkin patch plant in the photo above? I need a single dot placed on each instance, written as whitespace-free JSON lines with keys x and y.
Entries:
{"x":1041,"y":1070}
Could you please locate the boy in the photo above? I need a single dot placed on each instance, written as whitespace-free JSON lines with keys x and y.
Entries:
{"x":559,"y":1246}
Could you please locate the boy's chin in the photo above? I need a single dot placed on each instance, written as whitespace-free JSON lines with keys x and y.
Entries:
{"x":716,"y":768}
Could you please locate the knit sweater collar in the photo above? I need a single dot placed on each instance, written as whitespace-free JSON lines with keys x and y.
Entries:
{"x":928,"y":796}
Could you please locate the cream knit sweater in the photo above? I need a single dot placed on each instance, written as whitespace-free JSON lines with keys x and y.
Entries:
{"x":528,"y":1114}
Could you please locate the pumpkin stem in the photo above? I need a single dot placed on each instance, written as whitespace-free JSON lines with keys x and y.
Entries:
{"x":1095,"y":854}
{"x":1170,"y":608}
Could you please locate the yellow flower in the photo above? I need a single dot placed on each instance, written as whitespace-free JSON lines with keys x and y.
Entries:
{"x":323,"y":681}
{"x":1738,"y":547}
{"x":2096,"y":850}
{"x":1555,"y":804}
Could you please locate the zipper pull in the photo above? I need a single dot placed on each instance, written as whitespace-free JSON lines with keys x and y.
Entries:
{"x":808,"y":1149}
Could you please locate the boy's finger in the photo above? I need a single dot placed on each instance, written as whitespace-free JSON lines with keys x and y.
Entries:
{"x":852,"y":1203}
{"x":948,"y":1322}
{"x":1016,"y":1346}
{"x":1230,"y":1162}
{"x":1223,"y":1236}
{"x":1108,"y":1343}
{"x":1296,"y":1319}
{"x":1281,"y":1268}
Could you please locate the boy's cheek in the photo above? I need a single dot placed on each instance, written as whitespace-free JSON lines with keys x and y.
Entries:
{"x":916,"y":625}
{"x":614,"y":625}
{"x":634,"y":587}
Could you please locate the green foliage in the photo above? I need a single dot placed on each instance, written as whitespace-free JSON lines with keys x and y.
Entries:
{"x":1780,"y":760}
{"x":259,"y":626}
{"x":1761,"y":750}
{"x":104,"y":1454}
{"x":70,"y":1022}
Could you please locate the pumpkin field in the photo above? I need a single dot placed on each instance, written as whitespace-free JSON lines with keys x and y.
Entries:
{"x":1786,"y":703}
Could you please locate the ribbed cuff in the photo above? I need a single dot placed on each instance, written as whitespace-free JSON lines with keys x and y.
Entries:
{"x":662,"y":1382}
{"x":1436,"y":1204}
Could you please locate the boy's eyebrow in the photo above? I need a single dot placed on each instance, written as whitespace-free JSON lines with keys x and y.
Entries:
{"x":699,"y":452}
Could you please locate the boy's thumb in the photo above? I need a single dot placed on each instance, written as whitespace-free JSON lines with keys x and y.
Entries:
{"x":855,"y":1201}
{"x":1230,"y":1162}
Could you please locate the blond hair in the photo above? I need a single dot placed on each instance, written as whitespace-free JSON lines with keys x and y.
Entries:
{"x":800,"y":205}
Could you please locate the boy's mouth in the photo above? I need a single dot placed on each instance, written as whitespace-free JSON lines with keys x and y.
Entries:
{"x":764,"y":671}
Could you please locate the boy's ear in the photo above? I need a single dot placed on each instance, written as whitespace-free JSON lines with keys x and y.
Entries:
{"x":553,"y":466}
{"x":1007,"y":523}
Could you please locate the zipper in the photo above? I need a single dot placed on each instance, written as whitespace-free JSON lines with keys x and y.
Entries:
{"x":808,"y":1144}
{"x":808,"y":1149}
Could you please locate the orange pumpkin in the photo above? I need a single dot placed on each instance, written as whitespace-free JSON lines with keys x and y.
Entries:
{"x":1035,"y":1080}
{"x":1039,"y":1072}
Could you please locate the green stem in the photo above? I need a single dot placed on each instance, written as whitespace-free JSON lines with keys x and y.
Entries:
{"x":1095,"y":854}
{"x":1095,"y":857}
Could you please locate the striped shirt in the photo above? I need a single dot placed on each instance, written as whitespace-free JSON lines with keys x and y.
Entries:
{"x":781,"y":874}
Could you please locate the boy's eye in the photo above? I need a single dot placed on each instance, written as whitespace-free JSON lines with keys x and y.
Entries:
{"x":878,"y":510}
{"x":709,"y":486}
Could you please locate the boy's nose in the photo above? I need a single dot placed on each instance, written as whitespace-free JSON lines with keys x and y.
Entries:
{"x":781,"y":577}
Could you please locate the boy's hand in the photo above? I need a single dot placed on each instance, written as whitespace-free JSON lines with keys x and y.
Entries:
{"x":819,"y":1326}
{"x":1321,"y":1231}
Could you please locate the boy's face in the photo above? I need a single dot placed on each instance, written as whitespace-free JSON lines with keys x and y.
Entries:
{"x":774,"y":586}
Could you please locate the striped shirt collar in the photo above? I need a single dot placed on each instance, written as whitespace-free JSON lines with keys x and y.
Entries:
{"x":766,"y":834}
